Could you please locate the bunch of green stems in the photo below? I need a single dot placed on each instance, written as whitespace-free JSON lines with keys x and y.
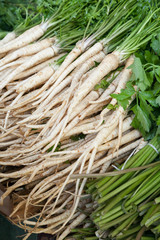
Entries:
{"x":124,"y":199}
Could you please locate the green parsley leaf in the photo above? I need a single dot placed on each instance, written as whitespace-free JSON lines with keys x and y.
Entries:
{"x":156,"y":88}
{"x":157,"y":74}
{"x":136,"y":123}
{"x":158,"y":100}
{"x":155,"y":45}
{"x":158,"y":121}
{"x":143,"y":119}
{"x":149,"y":96}
{"x":96,"y":63}
{"x":155,"y":59}
{"x":148,"y":56}
{"x":137,"y":68}
{"x":146,"y":107}
{"x":141,"y":55}
{"x":77,"y":137}
{"x":139,"y":74}
{"x":112,"y":107}
{"x":150,"y":76}
{"x":125,"y":95}
{"x":103,"y":84}
{"x":158,"y":132}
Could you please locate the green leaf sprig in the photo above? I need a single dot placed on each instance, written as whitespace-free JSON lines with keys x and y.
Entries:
{"x":146,"y":76}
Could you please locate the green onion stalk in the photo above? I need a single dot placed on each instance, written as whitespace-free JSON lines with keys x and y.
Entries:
{"x":86,"y":233}
{"x":123,"y":200}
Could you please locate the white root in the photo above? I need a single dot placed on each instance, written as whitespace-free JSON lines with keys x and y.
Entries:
{"x":24,"y":99}
{"x":2,"y":55}
{"x":52,"y":120}
{"x":37,"y":58}
{"x":82,"y":105}
{"x":27,"y":50}
{"x":114,"y":155}
{"x":125,"y":76}
{"x":129,"y":137}
{"x":81,"y":160}
{"x":37,"y":68}
{"x":9,"y":143}
{"x":9,"y":37}
{"x":47,"y":105}
{"x":7,"y":115}
{"x":15,"y":63}
{"x":86,"y":66}
{"x":119,"y":132}
{"x":82,"y":69}
{"x":50,"y":221}
{"x":85,"y":56}
{"x":5,"y":73}
{"x":55,"y":90}
{"x":99,"y":139}
{"x":74,"y":224}
{"x":109,"y":63}
{"x":131,"y":146}
{"x":35,"y":80}
{"x":25,"y":38}
{"x":69,"y":64}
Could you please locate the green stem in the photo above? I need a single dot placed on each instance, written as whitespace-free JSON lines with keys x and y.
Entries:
{"x":147,"y":195}
{"x":156,"y":229}
{"x":149,"y":213}
{"x":148,"y":188}
{"x":120,"y":196}
{"x":125,"y":225}
{"x":110,"y":180}
{"x":147,"y":238}
{"x":149,"y":157}
{"x":118,"y":211}
{"x":115,"y":222}
{"x":3,"y":34}
{"x":146,"y":155}
{"x":110,"y":216}
{"x":153,"y":219}
{"x":138,"y":37}
{"x":157,"y":200}
{"x":126,"y":185}
{"x":91,"y":238}
{"x":129,"y":232}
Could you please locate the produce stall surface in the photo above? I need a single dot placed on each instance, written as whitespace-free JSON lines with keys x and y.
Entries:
{"x":9,"y":231}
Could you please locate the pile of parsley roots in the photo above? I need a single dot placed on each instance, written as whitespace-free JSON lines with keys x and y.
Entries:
{"x":80,"y":117}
